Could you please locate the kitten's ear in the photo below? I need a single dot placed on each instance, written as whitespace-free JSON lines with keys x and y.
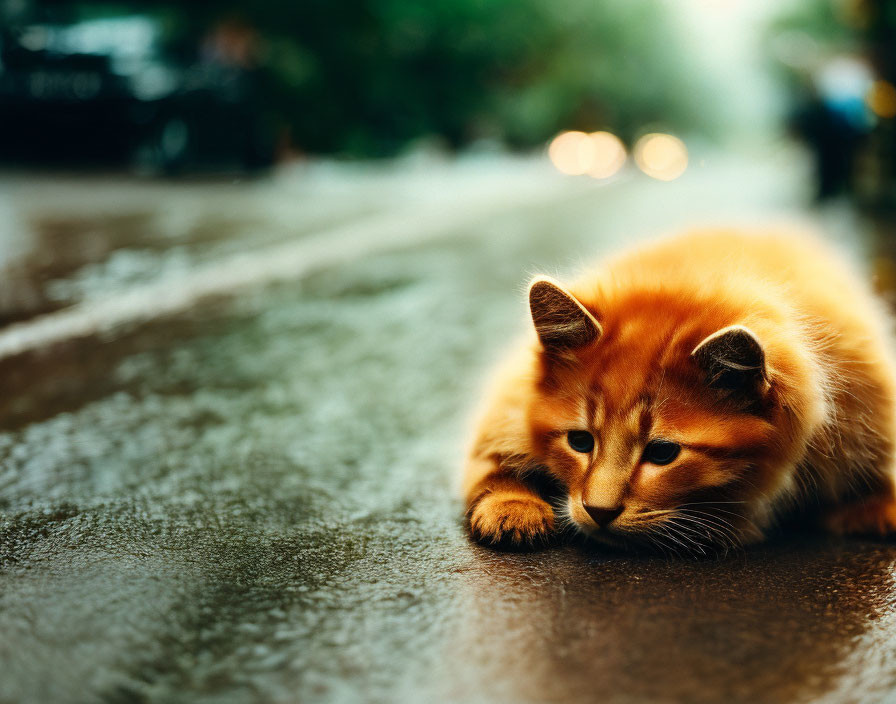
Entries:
{"x":562,"y":323}
{"x":733,"y":359}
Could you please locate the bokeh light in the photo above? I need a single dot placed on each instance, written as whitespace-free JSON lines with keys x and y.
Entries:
{"x":570,"y":152}
{"x":607,"y":154}
{"x":598,"y":154}
{"x":661,"y":156}
{"x":882,"y":99}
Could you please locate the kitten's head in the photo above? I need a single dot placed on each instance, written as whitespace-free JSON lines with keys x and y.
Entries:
{"x":662,"y":416}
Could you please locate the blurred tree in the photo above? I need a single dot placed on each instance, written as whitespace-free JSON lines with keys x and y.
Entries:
{"x":365,"y":77}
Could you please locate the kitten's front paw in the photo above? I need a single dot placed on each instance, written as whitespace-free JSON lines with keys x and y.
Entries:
{"x":511,"y":519}
{"x":873,"y":517}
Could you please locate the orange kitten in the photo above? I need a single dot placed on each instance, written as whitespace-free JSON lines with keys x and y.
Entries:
{"x":687,"y":394}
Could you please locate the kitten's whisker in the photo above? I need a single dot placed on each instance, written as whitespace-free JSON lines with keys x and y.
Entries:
{"x":691,"y":544}
{"x":700,"y":535}
{"x":714,"y":526}
{"x":658,"y":543}
{"x":703,"y":503}
{"x":743,"y":517}
{"x":647,"y":516}
{"x":657,"y":539}
{"x":708,"y":520}
{"x":710,"y":529}
{"x":693,"y":529}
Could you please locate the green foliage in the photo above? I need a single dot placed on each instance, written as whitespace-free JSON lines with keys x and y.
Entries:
{"x":369,"y":75}
{"x":365,"y":77}
{"x":819,"y":19}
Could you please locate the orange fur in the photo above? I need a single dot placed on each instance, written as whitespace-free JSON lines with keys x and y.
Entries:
{"x":761,"y":355}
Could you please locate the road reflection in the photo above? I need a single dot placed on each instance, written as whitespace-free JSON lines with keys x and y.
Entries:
{"x":779,"y":623}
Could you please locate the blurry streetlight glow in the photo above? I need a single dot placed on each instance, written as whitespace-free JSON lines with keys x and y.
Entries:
{"x":882,"y":99}
{"x":599,"y":154}
{"x":608,"y":154}
{"x":661,"y":156}
{"x":570,"y":152}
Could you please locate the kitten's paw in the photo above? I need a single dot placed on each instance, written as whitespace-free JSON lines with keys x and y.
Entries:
{"x":509,"y":518}
{"x":870,"y":517}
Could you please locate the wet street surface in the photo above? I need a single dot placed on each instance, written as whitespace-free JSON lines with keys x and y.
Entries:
{"x":231,"y":425}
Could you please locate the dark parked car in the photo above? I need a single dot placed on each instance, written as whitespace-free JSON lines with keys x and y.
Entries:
{"x":101,"y":92}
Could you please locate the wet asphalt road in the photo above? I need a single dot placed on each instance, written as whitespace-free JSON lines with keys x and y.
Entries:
{"x":246,"y":493}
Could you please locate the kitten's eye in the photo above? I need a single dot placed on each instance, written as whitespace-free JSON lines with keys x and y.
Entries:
{"x":580,"y":440}
{"x":661,"y":451}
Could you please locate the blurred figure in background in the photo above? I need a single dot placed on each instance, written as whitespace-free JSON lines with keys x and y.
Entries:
{"x":837,"y":62}
{"x":834,"y":120}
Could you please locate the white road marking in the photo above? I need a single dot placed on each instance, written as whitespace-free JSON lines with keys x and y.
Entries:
{"x":289,"y":261}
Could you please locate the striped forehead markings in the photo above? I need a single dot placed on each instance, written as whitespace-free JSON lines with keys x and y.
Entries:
{"x":596,"y":409}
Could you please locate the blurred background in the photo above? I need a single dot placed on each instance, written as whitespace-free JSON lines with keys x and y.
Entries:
{"x":131,"y":95}
{"x":162,"y":88}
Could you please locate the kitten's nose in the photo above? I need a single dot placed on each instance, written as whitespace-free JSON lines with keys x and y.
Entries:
{"x":603,"y":516}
